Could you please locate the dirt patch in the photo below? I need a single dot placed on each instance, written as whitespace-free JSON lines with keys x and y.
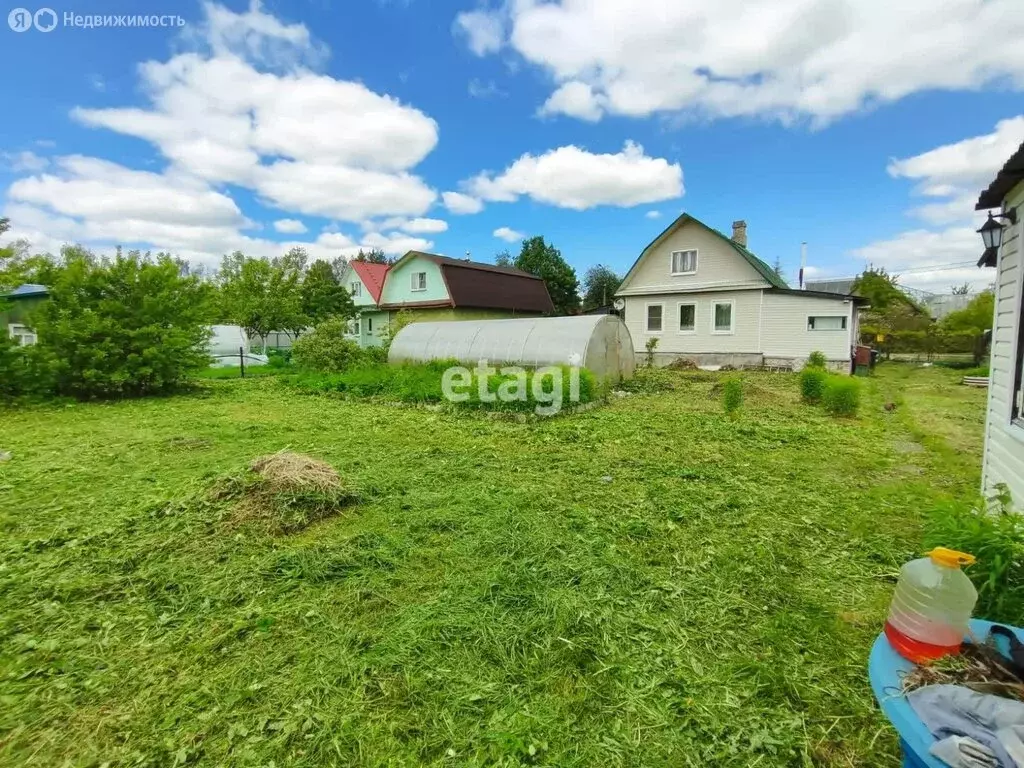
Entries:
{"x":284,"y":493}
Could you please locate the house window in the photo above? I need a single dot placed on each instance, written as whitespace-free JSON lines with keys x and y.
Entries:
{"x":357,"y":288}
{"x":419,"y":281}
{"x":721,"y":318}
{"x":352,"y":327}
{"x":826,"y":323}
{"x":684,"y":262}
{"x":21,"y":334}
{"x":369,"y":325}
{"x":654,"y":312}
{"x":687,"y":318}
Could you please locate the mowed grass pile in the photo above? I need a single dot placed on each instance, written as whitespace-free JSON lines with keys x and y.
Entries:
{"x":648,"y":583}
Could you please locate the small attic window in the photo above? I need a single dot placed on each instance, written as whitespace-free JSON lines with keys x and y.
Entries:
{"x":684,"y":262}
{"x":357,"y":288}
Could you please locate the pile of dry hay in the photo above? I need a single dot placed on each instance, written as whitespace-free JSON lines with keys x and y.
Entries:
{"x":285,"y":492}
{"x":978,"y":666}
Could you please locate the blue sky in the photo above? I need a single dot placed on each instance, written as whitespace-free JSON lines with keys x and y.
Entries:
{"x":864,"y":130}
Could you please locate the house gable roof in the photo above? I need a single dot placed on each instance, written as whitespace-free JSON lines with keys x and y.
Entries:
{"x":1009,"y":176}
{"x":759,"y":266}
{"x":27,"y":290}
{"x":372,"y":275}
{"x":485,"y":286}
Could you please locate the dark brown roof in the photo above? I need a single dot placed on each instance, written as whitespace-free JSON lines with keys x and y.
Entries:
{"x":485,"y":286}
{"x":1010,"y":176}
{"x":495,"y":288}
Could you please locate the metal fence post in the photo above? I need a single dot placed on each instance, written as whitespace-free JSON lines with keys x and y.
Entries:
{"x":241,"y":360}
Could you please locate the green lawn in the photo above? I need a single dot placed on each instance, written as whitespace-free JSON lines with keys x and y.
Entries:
{"x":646,"y":583}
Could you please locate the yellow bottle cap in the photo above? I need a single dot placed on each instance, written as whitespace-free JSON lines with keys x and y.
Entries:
{"x":950,"y":557}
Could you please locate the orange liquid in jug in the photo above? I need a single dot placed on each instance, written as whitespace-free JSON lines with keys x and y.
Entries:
{"x":915,"y":650}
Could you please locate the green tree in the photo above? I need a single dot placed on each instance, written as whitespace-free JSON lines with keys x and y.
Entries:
{"x":504,"y":259}
{"x":546,"y":262}
{"x":374,"y":256}
{"x":120,"y":327}
{"x":599,"y":286}
{"x":976,"y":316}
{"x":323,"y":297}
{"x":962,"y":290}
{"x":881,"y":289}
{"x":260,"y":296}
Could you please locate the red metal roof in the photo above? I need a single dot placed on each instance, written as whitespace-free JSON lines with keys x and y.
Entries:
{"x":372,"y":276}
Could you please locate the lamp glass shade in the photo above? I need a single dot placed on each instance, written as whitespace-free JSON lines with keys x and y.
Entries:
{"x":992,"y":233}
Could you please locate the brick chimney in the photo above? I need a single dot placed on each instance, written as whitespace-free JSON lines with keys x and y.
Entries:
{"x":739,"y":232}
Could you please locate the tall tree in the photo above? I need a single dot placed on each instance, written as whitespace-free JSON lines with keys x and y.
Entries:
{"x":323,"y":297}
{"x":599,"y":286}
{"x":962,"y":290}
{"x":881,"y":289}
{"x":545,"y":261}
{"x":260,"y":296}
{"x":374,"y":256}
{"x":978,"y":315}
{"x":504,"y":259}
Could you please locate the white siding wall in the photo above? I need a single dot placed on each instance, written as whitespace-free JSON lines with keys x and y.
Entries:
{"x":744,"y":338}
{"x":1004,"y":442}
{"x":718,"y":265}
{"x":784,"y":331}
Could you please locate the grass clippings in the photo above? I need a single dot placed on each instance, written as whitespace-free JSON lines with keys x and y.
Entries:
{"x":284,"y":492}
{"x":495,"y":601}
{"x":978,"y":666}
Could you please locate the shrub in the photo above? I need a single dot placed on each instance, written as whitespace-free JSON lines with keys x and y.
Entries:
{"x":982,"y":370}
{"x":279,"y":358}
{"x":817,"y":360}
{"x":326,"y":349}
{"x":376,"y":355}
{"x":996,"y":538}
{"x":125,"y":327}
{"x":650,"y":346}
{"x":732,"y":395}
{"x":842,"y":395}
{"x":812,"y":384}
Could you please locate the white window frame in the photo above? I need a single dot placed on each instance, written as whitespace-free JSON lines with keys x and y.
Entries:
{"x":732,"y":316}
{"x":679,"y":329}
{"x":357,"y":288}
{"x":844,"y":318}
{"x":647,"y":317}
{"x":24,"y":335}
{"x":414,"y":282}
{"x":672,"y":262}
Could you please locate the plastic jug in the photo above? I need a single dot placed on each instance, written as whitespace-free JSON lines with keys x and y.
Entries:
{"x":931,"y":607}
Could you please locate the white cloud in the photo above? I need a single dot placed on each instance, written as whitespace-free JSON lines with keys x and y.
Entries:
{"x":425,"y":226}
{"x":817,"y":59}
{"x":571,"y":177}
{"x":484,"y":30}
{"x":290,"y":226}
{"x":508,"y":235}
{"x":953,"y":175}
{"x":461,"y":204}
{"x":20,"y":162}
{"x":257,"y":36}
{"x":652,"y":215}
{"x":959,"y":171}
{"x":575,"y":99}
{"x":479,"y":89}
{"x":281,"y":131}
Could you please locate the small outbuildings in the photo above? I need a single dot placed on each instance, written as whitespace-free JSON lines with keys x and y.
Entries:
{"x":599,"y":343}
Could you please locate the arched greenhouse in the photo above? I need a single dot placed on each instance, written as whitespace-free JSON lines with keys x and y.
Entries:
{"x":599,"y":343}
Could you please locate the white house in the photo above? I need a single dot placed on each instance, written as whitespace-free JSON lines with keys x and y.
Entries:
{"x":1004,"y":424}
{"x":708,"y":299}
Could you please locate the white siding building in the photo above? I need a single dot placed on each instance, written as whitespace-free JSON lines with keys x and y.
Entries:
{"x":1004,"y":425}
{"x":708,"y":299}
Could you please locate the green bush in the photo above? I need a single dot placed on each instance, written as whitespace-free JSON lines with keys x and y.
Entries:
{"x":812,"y":384}
{"x":981,"y":370}
{"x":996,"y":538}
{"x":817,"y":360}
{"x":732,"y":395}
{"x":24,"y":371}
{"x":651,"y":346}
{"x":422,"y":383}
{"x":376,"y":355}
{"x":125,"y":327}
{"x":326,"y":349}
{"x":279,"y":358}
{"x":842,"y":395}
